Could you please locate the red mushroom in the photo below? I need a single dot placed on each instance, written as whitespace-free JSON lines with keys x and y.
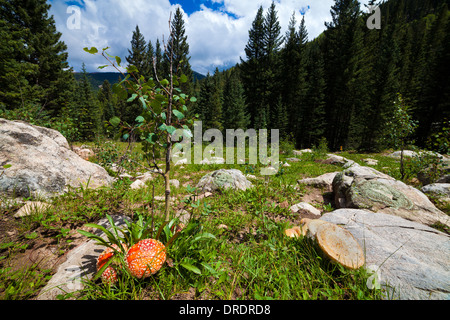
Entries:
{"x":146,"y":257}
{"x":109,"y":275}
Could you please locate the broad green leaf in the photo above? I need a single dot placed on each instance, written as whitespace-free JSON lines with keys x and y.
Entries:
{"x":170,"y":129}
{"x":126,"y":136}
{"x":103,"y":67}
{"x":144,"y":104}
{"x":92,"y":50}
{"x":190,"y":267}
{"x":140,"y":119}
{"x":204,"y":236}
{"x":183,"y":78}
{"x":132,"y":68}
{"x":104,"y":49}
{"x":164,"y":82}
{"x":133,"y":96}
{"x":193,"y":99}
{"x":6,"y":166}
{"x":178,"y":114}
{"x":150,"y":138}
{"x":118,"y":60}
{"x":163,"y":115}
{"x":115,"y":121}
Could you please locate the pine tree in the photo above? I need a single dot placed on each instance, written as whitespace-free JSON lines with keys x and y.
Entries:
{"x":252,"y":68}
{"x":294,"y":74}
{"x":107,"y":103}
{"x":313,"y":123}
{"x":159,"y":60}
{"x":431,"y":108}
{"x":138,"y":55}
{"x":87,"y":109}
{"x":337,"y":48}
{"x":28,"y":22}
{"x":272,"y":42}
{"x":148,"y":71}
{"x":178,"y":45}
{"x":15,"y":90}
{"x":235,"y":115}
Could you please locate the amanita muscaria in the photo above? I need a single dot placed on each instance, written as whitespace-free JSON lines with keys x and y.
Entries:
{"x":146,"y":257}
{"x":109,"y":274}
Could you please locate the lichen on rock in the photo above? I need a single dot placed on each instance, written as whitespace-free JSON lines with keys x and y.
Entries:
{"x":365,"y":192}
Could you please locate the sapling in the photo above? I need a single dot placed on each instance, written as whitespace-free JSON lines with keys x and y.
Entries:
{"x":164,"y":109}
{"x":399,"y":129}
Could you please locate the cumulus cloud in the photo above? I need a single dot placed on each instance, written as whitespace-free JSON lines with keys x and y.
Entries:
{"x":217,"y":38}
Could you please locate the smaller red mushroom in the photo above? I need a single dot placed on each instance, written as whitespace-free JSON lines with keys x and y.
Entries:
{"x":146,"y":257}
{"x":109,"y":275}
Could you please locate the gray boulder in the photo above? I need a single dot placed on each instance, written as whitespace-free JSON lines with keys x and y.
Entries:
{"x":42,"y":162}
{"x":442,"y":189}
{"x":412,"y":259}
{"x":362,"y":187}
{"x":223,"y":178}
{"x":323,"y":181}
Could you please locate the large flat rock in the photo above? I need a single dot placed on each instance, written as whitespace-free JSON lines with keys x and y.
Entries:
{"x":413,"y":259}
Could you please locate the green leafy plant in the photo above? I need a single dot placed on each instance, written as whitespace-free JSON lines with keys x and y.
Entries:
{"x":164,"y":110}
{"x":399,"y":129}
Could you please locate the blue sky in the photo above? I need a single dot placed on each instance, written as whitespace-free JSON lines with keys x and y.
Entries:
{"x":217,"y":30}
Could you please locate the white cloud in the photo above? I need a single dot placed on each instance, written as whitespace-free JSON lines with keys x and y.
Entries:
{"x":216,"y":38}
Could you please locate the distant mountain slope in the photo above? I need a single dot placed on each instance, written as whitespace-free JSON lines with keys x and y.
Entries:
{"x":97,"y":78}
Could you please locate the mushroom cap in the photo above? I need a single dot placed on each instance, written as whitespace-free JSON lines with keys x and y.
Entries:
{"x":295,"y":232}
{"x":146,"y":257}
{"x":109,"y":274}
{"x":340,"y":245}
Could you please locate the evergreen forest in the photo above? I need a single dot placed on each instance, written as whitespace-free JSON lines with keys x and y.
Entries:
{"x":341,"y":86}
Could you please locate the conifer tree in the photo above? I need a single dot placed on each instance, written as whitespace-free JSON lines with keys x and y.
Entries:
{"x":138,"y":55}
{"x":252,"y":68}
{"x":159,"y":60}
{"x":87,"y":108}
{"x":272,"y":42}
{"x":179,"y":47}
{"x":313,"y":123}
{"x":235,"y":115}
{"x":29,"y":23}
{"x":337,"y":47}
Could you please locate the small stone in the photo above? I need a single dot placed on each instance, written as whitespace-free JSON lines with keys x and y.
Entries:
{"x":370,"y":162}
{"x":138,"y":184}
{"x":32,"y":207}
{"x":175,"y":183}
{"x":303,"y":206}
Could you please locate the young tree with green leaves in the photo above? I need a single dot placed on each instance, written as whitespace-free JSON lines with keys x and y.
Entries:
{"x":398,"y":131}
{"x":164,"y":109}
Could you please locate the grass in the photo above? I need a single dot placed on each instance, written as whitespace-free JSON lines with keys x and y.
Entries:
{"x":248,"y":257}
